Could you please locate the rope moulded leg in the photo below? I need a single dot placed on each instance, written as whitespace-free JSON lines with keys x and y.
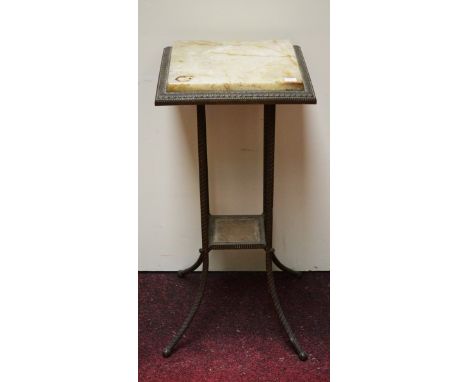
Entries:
{"x":183,"y":272}
{"x":205,"y":215}
{"x":271,"y":287}
{"x":196,"y":303}
{"x":283,"y":267}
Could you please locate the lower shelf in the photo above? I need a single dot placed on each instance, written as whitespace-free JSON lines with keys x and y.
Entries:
{"x":236,"y":232}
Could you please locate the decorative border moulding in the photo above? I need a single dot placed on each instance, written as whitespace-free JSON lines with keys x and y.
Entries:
{"x":163,"y":97}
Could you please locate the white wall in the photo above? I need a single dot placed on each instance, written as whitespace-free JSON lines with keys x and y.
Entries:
{"x":169,"y":216}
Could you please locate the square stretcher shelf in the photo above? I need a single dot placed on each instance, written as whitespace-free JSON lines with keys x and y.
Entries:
{"x":236,"y":232}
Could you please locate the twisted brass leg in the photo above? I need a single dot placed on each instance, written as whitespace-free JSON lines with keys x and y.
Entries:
{"x":183,"y":272}
{"x":201,"y":288}
{"x":283,"y":267}
{"x":271,"y":287}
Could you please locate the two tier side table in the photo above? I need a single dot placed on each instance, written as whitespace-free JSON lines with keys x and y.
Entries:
{"x":204,"y":73}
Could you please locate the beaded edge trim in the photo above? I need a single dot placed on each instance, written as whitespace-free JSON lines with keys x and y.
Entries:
{"x":306,"y":96}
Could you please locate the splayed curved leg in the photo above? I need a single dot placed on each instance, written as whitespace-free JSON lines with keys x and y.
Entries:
{"x":283,"y":267}
{"x":271,"y":287}
{"x":183,"y":272}
{"x":196,"y":303}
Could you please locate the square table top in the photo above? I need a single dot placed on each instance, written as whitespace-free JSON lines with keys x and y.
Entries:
{"x":204,"y":72}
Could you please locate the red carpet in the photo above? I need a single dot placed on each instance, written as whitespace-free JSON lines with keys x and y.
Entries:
{"x":236,"y":334}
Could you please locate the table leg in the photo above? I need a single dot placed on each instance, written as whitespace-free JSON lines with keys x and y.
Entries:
{"x":183,"y":272}
{"x":205,"y":217}
{"x":279,"y":310}
{"x":268,"y":178}
{"x":283,"y":267}
{"x":196,"y":303}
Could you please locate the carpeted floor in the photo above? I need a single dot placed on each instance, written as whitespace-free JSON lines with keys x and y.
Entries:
{"x":236,"y":334}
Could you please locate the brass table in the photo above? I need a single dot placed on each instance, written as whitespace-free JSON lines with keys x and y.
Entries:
{"x":235,"y":231}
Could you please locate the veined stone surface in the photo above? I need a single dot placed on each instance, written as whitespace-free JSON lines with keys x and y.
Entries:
{"x":233,"y":65}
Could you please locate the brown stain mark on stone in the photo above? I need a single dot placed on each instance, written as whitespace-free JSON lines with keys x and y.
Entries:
{"x":184,"y":78}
